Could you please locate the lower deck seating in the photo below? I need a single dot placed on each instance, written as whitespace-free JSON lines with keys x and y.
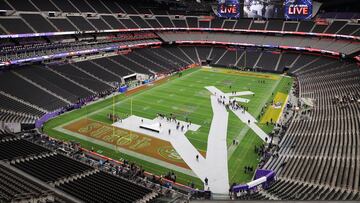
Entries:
{"x":53,"y":87}
{"x":157,"y":59}
{"x":319,"y":154}
{"x":5,"y":135}
{"x":52,"y":167}
{"x":179,"y":53}
{"x":22,"y":160}
{"x":292,"y":190}
{"x":14,"y":186}
{"x":84,"y":79}
{"x":11,"y":117}
{"x":17,"y":148}
{"x":229,"y":58}
{"x":25,"y":90}
{"x":253,"y":196}
{"x":111,"y":66}
{"x":93,"y":69}
{"x":203,"y":52}
{"x":15,"y":106}
{"x":268,"y":61}
{"x":191,"y":53}
{"x":103,"y":187}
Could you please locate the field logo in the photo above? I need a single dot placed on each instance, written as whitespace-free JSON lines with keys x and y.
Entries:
{"x":141,"y":143}
{"x":169,"y":153}
{"x":126,"y":140}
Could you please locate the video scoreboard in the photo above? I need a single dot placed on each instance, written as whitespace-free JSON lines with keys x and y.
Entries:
{"x":229,"y":8}
{"x":298,"y":9}
{"x":289,"y":9}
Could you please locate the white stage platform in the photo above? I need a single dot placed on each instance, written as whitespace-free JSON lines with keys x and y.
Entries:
{"x":153,"y":128}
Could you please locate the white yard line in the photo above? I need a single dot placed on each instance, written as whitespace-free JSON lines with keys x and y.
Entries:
{"x":122,"y":101}
{"x":243,"y":132}
{"x":239,"y":137}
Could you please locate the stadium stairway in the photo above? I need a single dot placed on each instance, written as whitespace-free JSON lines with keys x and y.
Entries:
{"x":174,"y":64}
{"x":99,"y":71}
{"x":129,"y":65}
{"x":20,"y":105}
{"x":41,"y":87}
{"x":176,"y":51}
{"x":53,"y":172}
{"x":110,"y":65}
{"x":14,"y":117}
{"x":105,"y":69}
{"x":204,"y":52}
{"x":191,"y":53}
{"x":67,"y":78}
{"x":24,"y":90}
{"x":321,"y":161}
{"x":92,"y":75}
{"x":222,"y":55}
{"x":147,"y":58}
{"x":165,"y":53}
{"x":106,"y":188}
{"x":22,"y":186}
{"x":151,"y":54}
{"x":140,"y":61}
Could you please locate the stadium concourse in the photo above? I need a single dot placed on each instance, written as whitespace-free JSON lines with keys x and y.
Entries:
{"x":173,"y":101}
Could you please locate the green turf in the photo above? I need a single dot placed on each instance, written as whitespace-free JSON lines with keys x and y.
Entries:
{"x":187,"y":98}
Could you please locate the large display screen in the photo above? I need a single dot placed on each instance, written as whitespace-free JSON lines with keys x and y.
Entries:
{"x":263,"y":9}
{"x":298,"y":9}
{"x":229,"y":8}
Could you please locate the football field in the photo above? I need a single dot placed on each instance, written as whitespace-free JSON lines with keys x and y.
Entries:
{"x":186,"y":98}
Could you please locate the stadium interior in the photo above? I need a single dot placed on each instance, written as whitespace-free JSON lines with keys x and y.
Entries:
{"x":63,"y":62}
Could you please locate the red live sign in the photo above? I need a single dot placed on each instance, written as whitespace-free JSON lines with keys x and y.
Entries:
{"x":299,"y":10}
{"x":228,"y":9}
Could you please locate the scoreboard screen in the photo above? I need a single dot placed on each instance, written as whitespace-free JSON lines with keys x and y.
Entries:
{"x":263,"y":9}
{"x":298,"y":9}
{"x":228,"y":8}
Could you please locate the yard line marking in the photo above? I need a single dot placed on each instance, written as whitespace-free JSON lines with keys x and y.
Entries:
{"x":127,"y":98}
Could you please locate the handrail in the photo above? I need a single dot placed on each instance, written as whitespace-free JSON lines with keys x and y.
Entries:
{"x":256,"y":45}
{"x":75,"y":53}
{"x":40,"y":58}
{"x":26,"y":35}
